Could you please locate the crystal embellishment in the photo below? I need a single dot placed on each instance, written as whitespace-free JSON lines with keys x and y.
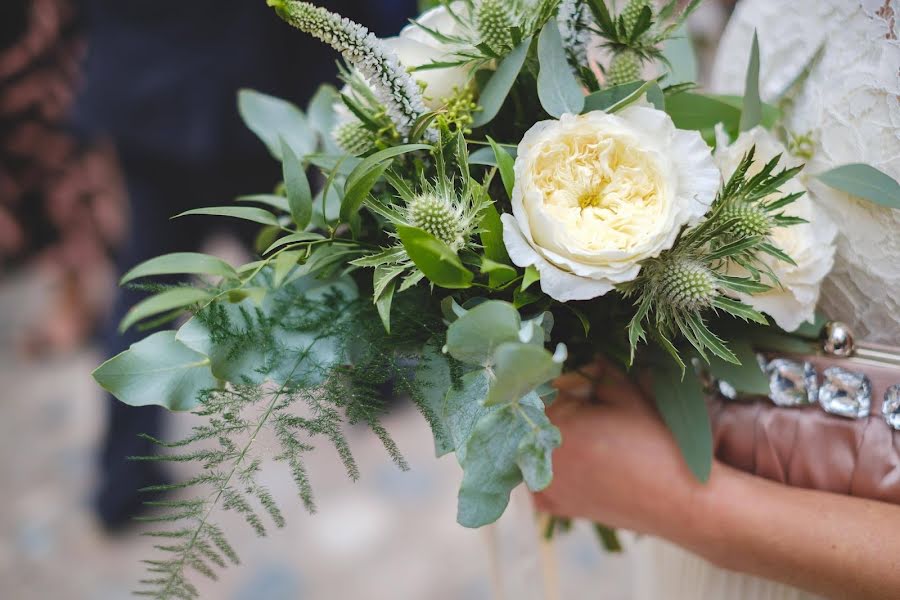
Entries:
{"x":891,"y":406}
{"x":791,"y":383}
{"x":846,"y":393}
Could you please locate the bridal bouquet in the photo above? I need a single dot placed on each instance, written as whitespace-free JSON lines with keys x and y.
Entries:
{"x":501,"y":193}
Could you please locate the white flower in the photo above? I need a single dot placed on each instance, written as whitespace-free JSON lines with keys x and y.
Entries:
{"x":416,"y":47}
{"x":596,"y":194}
{"x":811,"y":245}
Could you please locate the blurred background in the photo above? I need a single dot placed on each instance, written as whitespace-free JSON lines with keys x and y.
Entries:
{"x":114,"y":116}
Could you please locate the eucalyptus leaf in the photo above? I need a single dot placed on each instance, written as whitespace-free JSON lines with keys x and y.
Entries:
{"x":487,"y":157}
{"x":494,"y":93}
{"x":518,"y":369}
{"x":162,"y":302}
{"x":322,"y":116}
{"x":605,"y":98}
{"x":534,"y":455}
{"x":272,"y":118}
{"x":499,"y":441}
{"x":682,"y":406}
{"x":558,"y":89}
{"x":181,"y":263}
{"x":434,"y":382}
{"x":474,"y":336}
{"x":679,"y":51}
{"x":296,"y":184}
{"x":864,"y":181}
{"x":157,"y":370}
{"x":434,"y":258}
{"x":463,"y":407}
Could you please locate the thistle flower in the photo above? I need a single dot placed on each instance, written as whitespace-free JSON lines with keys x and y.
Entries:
{"x":751,"y":220}
{"x":625,"y":67}
{"x":353,"y":138}
{"x":393,"y":86}
{"x":574,"y":27}
{"x":686,"y":284}
{"x":632,"y":11}
{"x":494,"y":21}
{"x":439,"y":216}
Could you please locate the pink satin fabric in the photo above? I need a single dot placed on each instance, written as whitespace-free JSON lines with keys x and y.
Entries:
{"x":809,"y":448}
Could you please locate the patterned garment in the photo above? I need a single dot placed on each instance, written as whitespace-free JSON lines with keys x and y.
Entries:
{"x":58,"y":199}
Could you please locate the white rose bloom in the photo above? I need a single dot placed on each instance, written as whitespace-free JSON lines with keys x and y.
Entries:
{"x":596,"y":194}
{"x":810,"y":245}
{"x":416,"y":47}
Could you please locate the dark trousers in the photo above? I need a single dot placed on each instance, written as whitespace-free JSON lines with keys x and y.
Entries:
{"x":157,"y":190}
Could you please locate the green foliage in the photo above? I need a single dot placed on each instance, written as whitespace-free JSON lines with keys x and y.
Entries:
{"x":864,"y":181}
{"x":751,"y":112}
{"x":272,"y":118}
{"x":494,"y":417}
{"x":501,"y":82}
{"x":558,"y":90}
{"x":334,"y":387}
{"x":680,"y":401}
{"x":157,"y":370}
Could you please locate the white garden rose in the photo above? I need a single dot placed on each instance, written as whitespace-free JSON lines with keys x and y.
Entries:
{"x":416,"y":47}
{"x":596,"y":194}
{"x":811,"y":245}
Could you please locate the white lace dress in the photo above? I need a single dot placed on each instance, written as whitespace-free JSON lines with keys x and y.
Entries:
{"x":850,"y":105}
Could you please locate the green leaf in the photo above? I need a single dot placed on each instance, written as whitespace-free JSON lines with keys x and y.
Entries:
{"x":751,"y":112}
{"x":474,"y":336}
{"x":162,"y":302}
{"x":181,"y":263}
{"x":534,"y":455}
{"x":739,"y":309}
{"x":702,"y":113}
{"x":297,"y":186}
{"x":745,"y":377}
{"x":864,"y":181}
{"x":498,"y":273}
{"x":383,"y":304}
{"x":506,"y":165}
{"x":272,"y":200}
{"x":605,"y":98}
{"x":272,"y":355}
{"x":531,"y":275}
{"x":494,"y":93}
{"x":362,"y":179}
{"x":491,"y":233}
{"x":322,"y":116}
{"x":679,"y":51}
{"x":272,"y":118}
{"x":433,"y":380}
{"x":294,"y":238}
{"x":682,"y":406}
{"x":157,"y":370}
{"x":499,"y":442}
{"x":487,"y":157}
{"x":462,"y":408}
{"x":284,"y":264}
{"x":434,"y":258}
{"x":518,"y":369}
{"x":558,"y":90}
{"x":248,"y":213}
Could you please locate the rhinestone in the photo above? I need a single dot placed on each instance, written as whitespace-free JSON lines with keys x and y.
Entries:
{"x":727,"y":390}
{"x":838,"y":339}
{"x":846,"y":393}
{"x":791,"y":383}
{"x":891,"y":406}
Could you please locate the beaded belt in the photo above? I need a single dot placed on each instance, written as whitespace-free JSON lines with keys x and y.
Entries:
{"x":846,"y":378}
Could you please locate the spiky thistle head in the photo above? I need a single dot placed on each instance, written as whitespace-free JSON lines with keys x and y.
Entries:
{"x":625,"y":67}
{"x":750,"y":218}
{"x":686,"y":284}
{"x":353,"y":137}
{"x":439,"y":215}
{"x":632,"y":11}
{"x":494,"y":22}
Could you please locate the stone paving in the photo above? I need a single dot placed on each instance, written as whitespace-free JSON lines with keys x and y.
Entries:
{"x":392,"y":535}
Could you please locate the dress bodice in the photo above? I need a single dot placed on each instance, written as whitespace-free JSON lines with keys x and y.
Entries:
{"x":850,"y":109}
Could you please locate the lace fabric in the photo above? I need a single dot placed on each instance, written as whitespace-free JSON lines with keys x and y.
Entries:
{"x":850,"y":109}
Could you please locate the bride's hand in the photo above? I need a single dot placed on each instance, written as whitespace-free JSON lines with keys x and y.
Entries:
{"x":618,"y":464}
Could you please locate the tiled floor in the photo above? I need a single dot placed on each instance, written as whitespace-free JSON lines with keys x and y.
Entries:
{"x":392,"y":535}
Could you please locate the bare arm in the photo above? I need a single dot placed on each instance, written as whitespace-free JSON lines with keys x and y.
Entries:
{"x":619,"y":465}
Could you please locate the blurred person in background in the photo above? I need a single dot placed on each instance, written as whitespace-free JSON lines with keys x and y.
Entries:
{"x":161,"y":79}
{"x":60,"y":200}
